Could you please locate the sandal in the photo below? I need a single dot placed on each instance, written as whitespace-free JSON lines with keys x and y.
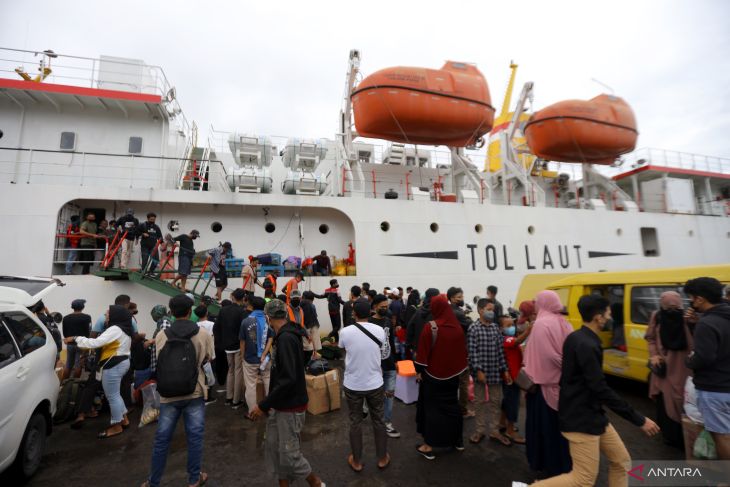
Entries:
{"x":202,"y":479}
{"x":476,"y":438}
{"x":351,"y":463}
{"x":516,"y":439}
{"x":387,"y":463}
{"x":501,"y":439}
{"x":105,"y":434}
{"x":428,"y":455}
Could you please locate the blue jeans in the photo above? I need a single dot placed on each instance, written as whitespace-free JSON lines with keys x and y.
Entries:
{"x":389,"y":387}
{"x":72,"y":253}
{"x":111,"y":380}
{"x":193,"y":413}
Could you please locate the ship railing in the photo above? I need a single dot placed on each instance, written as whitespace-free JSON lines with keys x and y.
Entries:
{"x":44,"y":166}
{"x":671,"y":159}
{"x":104,"y":72}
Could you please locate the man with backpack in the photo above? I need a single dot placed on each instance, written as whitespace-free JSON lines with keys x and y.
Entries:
{"x":366,"y":345}
{"x":182,"y":350}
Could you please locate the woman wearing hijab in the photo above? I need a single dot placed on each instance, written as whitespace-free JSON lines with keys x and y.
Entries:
{"x":113,"y":364}
{"x":670,"y":342}
{"x":547,"y":449}
{"x":441,"y":359}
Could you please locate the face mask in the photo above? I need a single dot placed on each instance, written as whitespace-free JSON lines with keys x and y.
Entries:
{"x":509,"y":331}
{"x":488,"y":316}
{"x":381,"y":311}
{"x":295,"y":302}
{"x":460,"y":303}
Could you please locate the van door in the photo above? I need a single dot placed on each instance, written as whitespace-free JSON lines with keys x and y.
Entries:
{"x":11,"y":387}
{"x":613,"y":336}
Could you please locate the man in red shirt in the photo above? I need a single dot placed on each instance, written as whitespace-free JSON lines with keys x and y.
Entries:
{"x":321,"y":265}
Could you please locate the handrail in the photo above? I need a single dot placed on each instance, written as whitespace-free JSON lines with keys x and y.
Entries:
{"x":113,"y":249}
{"x":110,"y":154}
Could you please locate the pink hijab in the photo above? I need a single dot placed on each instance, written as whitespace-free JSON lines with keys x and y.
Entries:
{"x":544,"y":350}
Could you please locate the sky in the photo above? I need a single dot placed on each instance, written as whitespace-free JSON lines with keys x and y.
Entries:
{"x":278,"y":68}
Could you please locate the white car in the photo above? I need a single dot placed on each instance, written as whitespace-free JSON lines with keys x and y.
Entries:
{"x":28,"y":381}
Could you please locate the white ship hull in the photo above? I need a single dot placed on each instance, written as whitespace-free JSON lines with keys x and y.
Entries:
{"x":408,"y":254}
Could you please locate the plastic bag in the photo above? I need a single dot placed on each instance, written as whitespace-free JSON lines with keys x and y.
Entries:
{"x":150,"y":403}
{"x":209,"y":376}
{"x":704,"y":447}
{"x":690,"y":402}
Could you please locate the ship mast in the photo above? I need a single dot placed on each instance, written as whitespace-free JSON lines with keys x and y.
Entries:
{"x":508,"y":93}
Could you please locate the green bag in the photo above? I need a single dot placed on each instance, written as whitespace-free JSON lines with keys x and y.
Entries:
{"x":704,"y":447}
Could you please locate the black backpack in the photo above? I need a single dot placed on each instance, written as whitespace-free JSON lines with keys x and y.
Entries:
{"x":177,"y":366}
{"x":69,"y":397}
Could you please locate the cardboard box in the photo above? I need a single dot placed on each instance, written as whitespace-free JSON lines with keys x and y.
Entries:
{"x":324,"y":392}
{"x":690,"y":431}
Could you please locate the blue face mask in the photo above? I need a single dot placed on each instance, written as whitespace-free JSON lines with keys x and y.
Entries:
{"x":509,"y":331}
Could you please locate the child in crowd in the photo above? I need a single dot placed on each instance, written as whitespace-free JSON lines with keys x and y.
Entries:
{"x":488,"y":369}
{"x":511,"y":392}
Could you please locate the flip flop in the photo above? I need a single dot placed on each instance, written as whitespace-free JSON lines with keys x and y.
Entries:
{"x":201,"y":480}
{"x":501,"y":439}
{"x":428,"y":455}
{"x":516,"y":439}
{"x":105,"y":434}
{"x":383,"y":467}
{"x":350,"y":461}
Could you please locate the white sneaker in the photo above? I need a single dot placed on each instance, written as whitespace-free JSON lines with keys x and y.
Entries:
{"x":518,"y":484}
{"x":391,"y":431}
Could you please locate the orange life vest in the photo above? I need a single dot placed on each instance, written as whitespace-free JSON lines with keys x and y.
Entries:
{"x":297,"y":320}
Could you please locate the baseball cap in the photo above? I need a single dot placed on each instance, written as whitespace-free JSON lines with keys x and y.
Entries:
{"x":526,"y":309}
{"x":195,"y":232}
{"x":394,"y":291}
{"x":299,"y":274}
{"x":361,"y":308}
{"x":78,"y":304}
{"x":275,"y":309}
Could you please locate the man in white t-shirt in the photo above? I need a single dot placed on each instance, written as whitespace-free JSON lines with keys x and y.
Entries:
{"x":364,"y":383}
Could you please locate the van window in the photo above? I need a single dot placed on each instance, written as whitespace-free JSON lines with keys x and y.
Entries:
{"x":645,"y":300}
{"x":564,"y":294}
{"x":28,"y":334}
{"x":8,"y":354}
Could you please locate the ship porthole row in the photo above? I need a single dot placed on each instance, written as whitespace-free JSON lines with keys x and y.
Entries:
{"x":324,"y":228}
{"x":434,"y":227}
{"x":478,"y":228}
{"x":531,"y":230}
{"x":384,"y":226}
{"x":270,"y":227}
{"x":216,"y":227}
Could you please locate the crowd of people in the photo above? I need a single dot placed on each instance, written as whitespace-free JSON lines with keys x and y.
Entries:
{"x":504,"y":355}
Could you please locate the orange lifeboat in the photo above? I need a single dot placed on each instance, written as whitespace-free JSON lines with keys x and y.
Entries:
{"x":596,"y":131}
{"x":449,"y":106}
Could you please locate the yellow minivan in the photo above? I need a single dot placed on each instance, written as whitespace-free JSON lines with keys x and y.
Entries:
{"x":633,"y":295}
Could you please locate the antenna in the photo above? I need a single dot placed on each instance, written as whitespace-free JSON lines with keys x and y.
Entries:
{"x":604,"y":85}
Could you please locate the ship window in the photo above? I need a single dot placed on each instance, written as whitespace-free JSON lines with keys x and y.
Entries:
{"x":363,"y":156}
{"x":478,"y":228}
{"x":422,"y":161}
{"x":270,"y":227}
{"x":649,"y":242}
{"x":68,"y":140}
{"x":531,"y":230}
{"x":434,"y":227}
{"x":384,"y":226}
{"x":324,"y":228}
{"x":619,"y":232}
{"x":135,"y":145}
{"x":216,"y":227}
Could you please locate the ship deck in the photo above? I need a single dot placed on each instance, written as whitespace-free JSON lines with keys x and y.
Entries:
{"x":233,"y":454}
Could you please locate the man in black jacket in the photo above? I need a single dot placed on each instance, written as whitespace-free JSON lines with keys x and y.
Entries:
{"x":286,"y":403}
{"x":415,"y":326}
{"x":347,"y":316}
{"x":711,"y":359}
{"x":149,"y":234}
{"x":334,"y":301}
{"x":229,"y":322}
{"x":128,"y":223}
{"x":583,"y":393}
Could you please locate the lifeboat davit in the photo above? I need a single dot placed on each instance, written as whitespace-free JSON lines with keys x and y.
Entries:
{"x":596,"y":131}
{"x":449,"y":106}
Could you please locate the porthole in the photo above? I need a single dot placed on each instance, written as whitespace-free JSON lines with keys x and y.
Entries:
{"x":384,"y":226}
{"x":478,"y":228}
{"x":531,"y":230}
{"x":434,"y":227}
{"x":323,"y":229}
{"x":691,"y":233}
{"x":619,"y":232}
{"x":270,"y":227}
{"x":216,"y":227}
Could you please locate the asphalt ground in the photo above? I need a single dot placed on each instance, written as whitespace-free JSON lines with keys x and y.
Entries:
{"x":233,"y":453}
